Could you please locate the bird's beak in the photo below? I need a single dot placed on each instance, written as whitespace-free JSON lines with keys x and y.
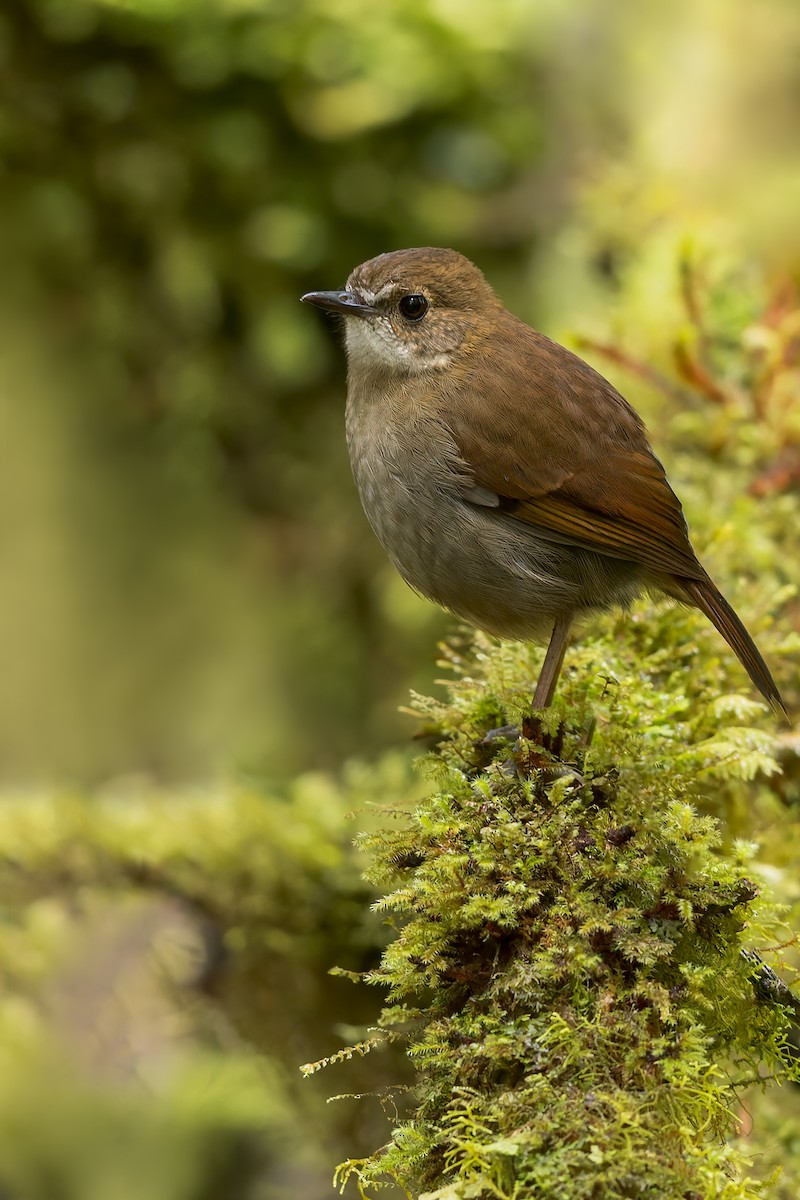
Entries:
{"x":346,"y":303}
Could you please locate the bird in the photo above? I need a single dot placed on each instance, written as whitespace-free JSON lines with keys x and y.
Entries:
{"x":506,"y":478}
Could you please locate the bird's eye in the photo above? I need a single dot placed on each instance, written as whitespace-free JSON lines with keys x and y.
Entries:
{"x":413,"y":307}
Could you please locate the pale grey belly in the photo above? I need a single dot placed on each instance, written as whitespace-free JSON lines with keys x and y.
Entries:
{"x":486,"y":567}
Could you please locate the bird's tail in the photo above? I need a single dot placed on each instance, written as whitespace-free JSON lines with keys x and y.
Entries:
{"x":705,"y":596}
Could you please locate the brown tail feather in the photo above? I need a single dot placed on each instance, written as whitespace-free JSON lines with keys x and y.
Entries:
{"x":710,"y":601}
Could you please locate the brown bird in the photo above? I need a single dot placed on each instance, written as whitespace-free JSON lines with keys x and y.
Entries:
{"x":506,"y":479}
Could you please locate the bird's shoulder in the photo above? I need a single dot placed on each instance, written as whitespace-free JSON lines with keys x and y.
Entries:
{"x":528,"y":413}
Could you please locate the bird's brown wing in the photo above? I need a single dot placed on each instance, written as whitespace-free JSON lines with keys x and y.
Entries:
{"x":623,"y":507}
{"x":577,"y":465}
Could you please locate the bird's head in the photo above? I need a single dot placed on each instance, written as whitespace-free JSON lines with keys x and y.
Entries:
{"x":411,"y":311}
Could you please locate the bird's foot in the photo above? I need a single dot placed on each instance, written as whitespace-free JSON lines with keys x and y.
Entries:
{"x":535,"y":729}
{"x":505,"y":733}
{"x":534,"y":747}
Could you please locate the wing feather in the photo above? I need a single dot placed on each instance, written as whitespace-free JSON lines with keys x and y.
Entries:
{"x":602,"y":489}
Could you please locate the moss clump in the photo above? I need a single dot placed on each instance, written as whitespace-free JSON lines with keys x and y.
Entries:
{"x":567,"y":971}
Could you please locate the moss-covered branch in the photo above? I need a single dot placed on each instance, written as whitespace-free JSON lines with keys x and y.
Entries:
{"x":567,"y":971}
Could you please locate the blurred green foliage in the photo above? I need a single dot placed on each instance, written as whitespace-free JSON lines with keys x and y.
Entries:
{"x":174,"y":178}
{"x":164,"y":961}
{"x":189,"y":591}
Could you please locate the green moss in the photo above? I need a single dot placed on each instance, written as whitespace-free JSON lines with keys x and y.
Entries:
{"x":567,"y":972}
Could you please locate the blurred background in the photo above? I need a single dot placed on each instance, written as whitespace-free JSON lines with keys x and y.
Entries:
{"x":197,"y":628}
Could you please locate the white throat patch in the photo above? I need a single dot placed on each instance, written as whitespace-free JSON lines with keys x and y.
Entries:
{"x":372,"y":341}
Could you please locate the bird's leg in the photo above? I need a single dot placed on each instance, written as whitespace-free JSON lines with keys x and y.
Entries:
{"x":551,"y":667}
{"x":545,"y":688}
{"x":542,"y":697}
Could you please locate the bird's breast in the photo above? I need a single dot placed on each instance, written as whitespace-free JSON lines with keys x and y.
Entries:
{"x":486,"y":567}
{"x":408,"y":472}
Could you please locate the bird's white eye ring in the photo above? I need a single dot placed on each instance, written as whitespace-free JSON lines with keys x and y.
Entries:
{"x":413,"y":307}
